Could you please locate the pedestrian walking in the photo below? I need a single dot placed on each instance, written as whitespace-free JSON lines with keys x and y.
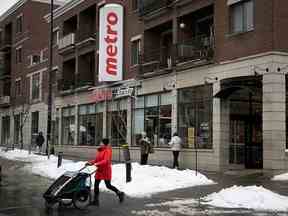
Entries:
{"x":39,"y":141}
{"x":104,"y":171}
{"x":145,"y":148}
{"x":176,"y":146}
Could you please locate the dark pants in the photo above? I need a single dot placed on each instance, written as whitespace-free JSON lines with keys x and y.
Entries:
{"x":144,"y":159}
{"x":108,"y":185}
{"x":175,"y":159}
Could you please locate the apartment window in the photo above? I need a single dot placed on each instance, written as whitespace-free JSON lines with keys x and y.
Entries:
{"x":36,"y":86}
{"x":68,"y":125}
{"x":135,"y":52}
{"x":19,"y":55}
{"x":55,"y":37}
{"x":242,"y":16}
{"x":19,"y":23}
{"x":18,"y":87}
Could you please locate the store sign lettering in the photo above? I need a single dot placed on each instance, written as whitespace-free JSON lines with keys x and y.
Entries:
{"x":111,"y":43}
{"x":123,"y":92}
{"x":99,"y":95}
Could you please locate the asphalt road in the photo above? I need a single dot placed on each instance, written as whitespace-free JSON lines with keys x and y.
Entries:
{"x":21,"y":195}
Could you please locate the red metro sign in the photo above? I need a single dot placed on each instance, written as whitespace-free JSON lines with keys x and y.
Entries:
{"x":111,"y":43}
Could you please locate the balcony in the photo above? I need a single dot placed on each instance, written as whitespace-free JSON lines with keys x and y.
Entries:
{"x":65,"y":86}
{"x":66,"y":43}
{"x":199,"y":50}
{"x":149,"y":6}
{"x":4,"y":101}
{"x":196,"y":49}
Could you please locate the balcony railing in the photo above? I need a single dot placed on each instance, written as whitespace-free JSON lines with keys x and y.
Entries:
{"x":67,"y":41}
{"x":65,"y":85}
{"x":194,"y":50}
{"x":198,"y":48}
{"x":148,"y":6}
{"x":4,"y":100}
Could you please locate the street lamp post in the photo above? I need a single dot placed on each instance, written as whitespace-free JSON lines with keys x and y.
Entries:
{"x":49,"y":102}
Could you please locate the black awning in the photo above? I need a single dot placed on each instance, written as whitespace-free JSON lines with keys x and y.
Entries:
{"x":226,"y":92}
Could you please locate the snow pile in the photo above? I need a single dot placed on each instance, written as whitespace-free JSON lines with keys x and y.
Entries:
{"x":146,"y":180}
{"x":251,"y":197}
{"x":281,"y":177}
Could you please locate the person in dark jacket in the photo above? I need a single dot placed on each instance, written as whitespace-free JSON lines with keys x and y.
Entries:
{"x":104,"y":171}
{"x":145,"y":146}
{"x":39,"y":141}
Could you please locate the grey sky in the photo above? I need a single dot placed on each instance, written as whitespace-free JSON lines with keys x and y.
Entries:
{"x":5,"y":5}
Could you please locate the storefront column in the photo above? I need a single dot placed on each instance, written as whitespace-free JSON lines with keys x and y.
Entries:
{"x":220,"y":128}
{"x":174,"y":122}
{"x":129,"y":121}
{"x":274,"y":128}
{"x":12,"y":131}
{"x":76,"y":124}
{"x":60,"y":127}
{"x":105,"y":119}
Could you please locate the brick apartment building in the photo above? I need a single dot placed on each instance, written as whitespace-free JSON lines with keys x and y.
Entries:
{"x":24,"y":36}
{"x":212,"y":70}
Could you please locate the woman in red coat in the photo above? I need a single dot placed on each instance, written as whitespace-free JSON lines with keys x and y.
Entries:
{"x":104,"y":171}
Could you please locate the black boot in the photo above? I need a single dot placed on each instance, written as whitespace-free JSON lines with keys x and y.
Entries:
{"x":121,"y":196}
{"x":95,"y":202}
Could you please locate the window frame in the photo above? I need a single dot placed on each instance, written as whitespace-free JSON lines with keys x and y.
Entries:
{"x":39,"y":87}
{"x":19,"y":24}
{"x":18,"y":54}
{"x":18,"y":87}
{"x":243,"y":7}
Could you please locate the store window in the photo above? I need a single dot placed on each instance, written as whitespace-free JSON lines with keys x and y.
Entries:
{"x":117,"y":122}
{"x":90,"y":130}
{"x":153,"y":114}
{"x":68,"y":125}
{"x":195,"y":116}
{"x":17,"y":129}
{"x":34,"y":126}
{"x":5,"y":137}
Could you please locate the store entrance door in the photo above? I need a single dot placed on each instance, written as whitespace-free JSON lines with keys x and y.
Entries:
{"x":243,"y":149}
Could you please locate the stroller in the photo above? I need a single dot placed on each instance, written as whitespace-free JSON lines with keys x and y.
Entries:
{"x":70,"y":188}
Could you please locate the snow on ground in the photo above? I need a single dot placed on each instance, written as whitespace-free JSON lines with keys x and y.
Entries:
{"x":250,"y":197}
{"x":146,"y":180}
{"x":281,"y":177}
{"x":237,"y":197}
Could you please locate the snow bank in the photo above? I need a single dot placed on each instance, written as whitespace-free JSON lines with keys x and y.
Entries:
{"x":146,"y":180}
{"x":281,"y":177}
{"x":251,"y":197}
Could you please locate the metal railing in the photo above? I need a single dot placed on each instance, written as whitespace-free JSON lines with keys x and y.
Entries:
{"x":148,"y":6}
{"x":4,"y":100}
{"x":64,"y":84}
{"x":66,"y":41}
{"x":198,"y":48}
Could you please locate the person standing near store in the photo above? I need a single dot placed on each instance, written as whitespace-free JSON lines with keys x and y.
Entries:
{"x":145,"y":147}
{"x":176,"y":146}
{"x":39,"y":141}
{"x":104,"y":171}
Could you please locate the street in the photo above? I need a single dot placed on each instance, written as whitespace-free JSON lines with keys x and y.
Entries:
{"x":21,"y":195}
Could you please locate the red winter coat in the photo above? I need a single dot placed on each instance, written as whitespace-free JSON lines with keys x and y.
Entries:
{"x":103,"y":163}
